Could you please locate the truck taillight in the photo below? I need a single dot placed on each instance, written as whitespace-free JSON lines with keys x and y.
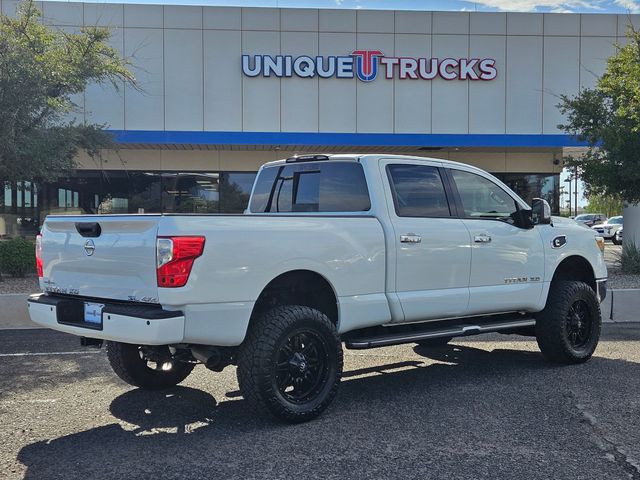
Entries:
{"x":39,"y":256}
{"x":175,"y":257}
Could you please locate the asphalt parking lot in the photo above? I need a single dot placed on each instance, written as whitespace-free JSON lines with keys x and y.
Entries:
{"x":487,"y":407}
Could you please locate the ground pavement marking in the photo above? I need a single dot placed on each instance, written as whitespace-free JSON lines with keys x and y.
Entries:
{"x":37,"y":354}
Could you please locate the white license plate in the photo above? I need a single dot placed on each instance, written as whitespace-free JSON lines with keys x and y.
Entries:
{"x":93,"y":313}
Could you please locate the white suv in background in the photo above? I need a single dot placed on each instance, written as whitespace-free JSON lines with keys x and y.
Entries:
{"x":609,"y":229}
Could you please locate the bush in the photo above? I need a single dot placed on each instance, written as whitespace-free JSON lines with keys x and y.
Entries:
{"x":630,"y":258}
{"x":17,"y":257}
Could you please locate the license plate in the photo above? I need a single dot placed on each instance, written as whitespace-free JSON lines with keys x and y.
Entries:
{"x":93,"y":313}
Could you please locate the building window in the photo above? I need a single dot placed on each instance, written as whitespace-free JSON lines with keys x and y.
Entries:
{"x":111,"y":192}
{"x":190,"y":192}
{"x":536,"y":185}
{"x":235,"y":189}
{"x":7,"y":195}
{"x":130,"y":192}
{"x":68,"y":198}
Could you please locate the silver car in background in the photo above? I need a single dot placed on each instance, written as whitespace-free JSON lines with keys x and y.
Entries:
{"x":591,"y":219}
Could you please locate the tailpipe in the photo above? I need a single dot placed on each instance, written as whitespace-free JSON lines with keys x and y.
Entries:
{"x":91,"y":342}
{"x":211,"y":357}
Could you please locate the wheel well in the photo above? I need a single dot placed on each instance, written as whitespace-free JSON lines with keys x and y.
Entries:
{"x":298,"y":287}
{"x":575,"y":268}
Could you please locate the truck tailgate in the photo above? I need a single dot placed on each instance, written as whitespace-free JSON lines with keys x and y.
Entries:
{"x":110,"y":257}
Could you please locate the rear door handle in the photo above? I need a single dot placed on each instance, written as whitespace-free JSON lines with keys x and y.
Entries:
{"x":410,"y":238}
{"x":482,"y":238}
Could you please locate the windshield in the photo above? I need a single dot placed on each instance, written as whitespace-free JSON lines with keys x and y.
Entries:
{"x":615,"y":221}
{"x":584,"y":217}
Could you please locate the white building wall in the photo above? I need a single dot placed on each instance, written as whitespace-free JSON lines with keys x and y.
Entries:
{"x":188,"y":64}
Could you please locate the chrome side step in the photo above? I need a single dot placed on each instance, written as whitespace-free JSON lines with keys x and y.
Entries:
{"x":434,"y":330}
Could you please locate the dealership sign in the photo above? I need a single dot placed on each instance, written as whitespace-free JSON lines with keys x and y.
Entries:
{"x":366,"y":64}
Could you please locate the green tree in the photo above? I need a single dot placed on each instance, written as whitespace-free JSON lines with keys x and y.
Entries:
{"x":610,"y":206}
{"x":608,"y":118}
{"x":41,"y":69}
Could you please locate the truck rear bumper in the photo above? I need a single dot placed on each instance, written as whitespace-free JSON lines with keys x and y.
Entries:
{"x":136,"y":324}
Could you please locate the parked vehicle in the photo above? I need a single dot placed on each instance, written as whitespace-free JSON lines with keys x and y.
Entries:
{"x":609,"y":229}
{"x":365,"y":251}
{"x":591,"y":219}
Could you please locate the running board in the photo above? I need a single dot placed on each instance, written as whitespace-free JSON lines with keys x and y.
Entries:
{"x":431,"y":330}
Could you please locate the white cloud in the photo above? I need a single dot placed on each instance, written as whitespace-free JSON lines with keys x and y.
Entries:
{"x":339,"y":2}
{"x":630,"y":5}
{"x":532,"y":5}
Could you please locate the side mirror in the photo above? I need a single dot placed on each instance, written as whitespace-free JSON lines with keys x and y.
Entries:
{"x":540,"y":212}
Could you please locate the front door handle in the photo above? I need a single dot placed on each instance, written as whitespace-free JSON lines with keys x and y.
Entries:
{"x":410,"y":238}
{"x":482,"y":238}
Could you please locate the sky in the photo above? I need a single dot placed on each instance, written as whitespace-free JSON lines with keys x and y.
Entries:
{"x":567,"y":6}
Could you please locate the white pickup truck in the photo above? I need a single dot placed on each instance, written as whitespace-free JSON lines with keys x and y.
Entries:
{"x":365,"y":250}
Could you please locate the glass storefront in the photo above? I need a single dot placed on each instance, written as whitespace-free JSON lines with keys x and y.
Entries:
{"x":535,"y":185}
{"x":24,"y":205}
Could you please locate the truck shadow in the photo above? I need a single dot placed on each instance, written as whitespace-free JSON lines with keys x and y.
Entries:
{"x":185,"y":432}
{"x":461,"y":354}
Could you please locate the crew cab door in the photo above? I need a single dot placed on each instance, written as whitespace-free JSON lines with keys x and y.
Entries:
{"x":507,"y":259}
{"x":432,"y":246}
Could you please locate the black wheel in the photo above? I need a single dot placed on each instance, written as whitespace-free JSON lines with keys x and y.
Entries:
{"x":435,"y":342}
{"x":152,"y":368}
{"x":616,"y":240}
{"x":568,"y":329}
{"x":291,"y":363}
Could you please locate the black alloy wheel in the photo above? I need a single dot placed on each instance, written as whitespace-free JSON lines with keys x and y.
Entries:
{"x":579,"y":324}
{"x":301,"y":367}
{"x":290,"y":364}
{"x":568,"y":329}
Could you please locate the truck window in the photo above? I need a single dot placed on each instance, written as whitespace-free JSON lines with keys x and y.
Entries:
{"x":481,"y":198}
{"x":311,"y":187}
{"x":418,"y":191}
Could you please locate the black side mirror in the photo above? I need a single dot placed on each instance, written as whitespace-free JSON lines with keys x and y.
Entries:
{"x":540,"y":212}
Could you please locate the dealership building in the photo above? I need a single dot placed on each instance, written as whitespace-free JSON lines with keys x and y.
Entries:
{"x":220,"y":91}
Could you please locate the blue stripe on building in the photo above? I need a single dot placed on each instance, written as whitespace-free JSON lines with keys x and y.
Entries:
{"x":344,"y":139}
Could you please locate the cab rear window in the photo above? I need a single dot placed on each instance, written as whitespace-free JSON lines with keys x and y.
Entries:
{"x":311,"y":187}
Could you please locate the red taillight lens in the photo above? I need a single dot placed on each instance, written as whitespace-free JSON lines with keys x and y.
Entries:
{"x":175,"y":256}
{"x":39,"y":265}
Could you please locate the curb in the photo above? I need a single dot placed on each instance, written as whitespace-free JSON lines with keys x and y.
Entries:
{"x":622,"y":305}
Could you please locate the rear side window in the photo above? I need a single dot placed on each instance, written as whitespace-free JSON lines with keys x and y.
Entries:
{"x":311,"y":187}
{"x":418,"y":191}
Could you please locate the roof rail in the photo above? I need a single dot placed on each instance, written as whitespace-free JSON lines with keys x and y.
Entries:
{"x":307,"y":158}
